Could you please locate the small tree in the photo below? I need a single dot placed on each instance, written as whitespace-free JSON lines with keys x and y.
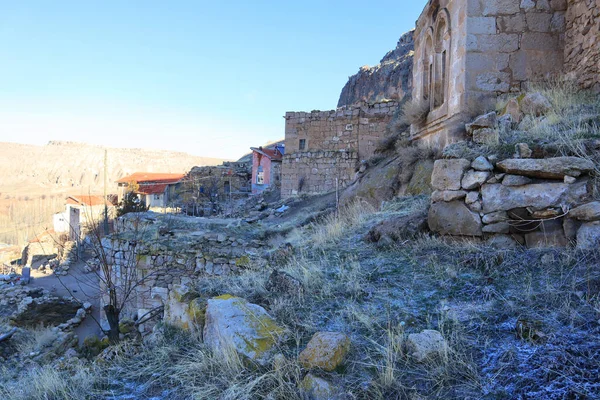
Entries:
{"x":131,"y":202}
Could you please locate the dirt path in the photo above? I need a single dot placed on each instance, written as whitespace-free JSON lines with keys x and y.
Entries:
{"x":79,"y":284}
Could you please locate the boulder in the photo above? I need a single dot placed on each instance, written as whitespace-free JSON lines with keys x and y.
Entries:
{"x":326,"y":350}
{"x":246,"y":327}
{"x":586,"y":212}
{"x":448,"y":174}
{"x":488,"y":120}
{"x":588,"y":236}
{"x":548,"y":168}
{"x":394,"y":229}
{"x":454,"y":218}
{"x":474,"y":179}
{"x":515,"y":180}
{"x":538,"y":196}
{"x":317,"y":388}
{"x":482,"y":164}
{"x":448,"y":195}
{"x":535,"y":104}
{"x":428,"y":344}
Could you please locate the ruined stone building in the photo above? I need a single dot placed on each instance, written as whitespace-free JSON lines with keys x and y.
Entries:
{"x":467,"y":52}
{"x":324,"y":148}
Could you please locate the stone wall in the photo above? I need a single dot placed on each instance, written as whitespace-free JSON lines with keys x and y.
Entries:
{"x":316,"y":172}
{"x":582,"y":42}
{"x":323,"y":145}
{"x":163,"y":259}
{"x":531,"y":202}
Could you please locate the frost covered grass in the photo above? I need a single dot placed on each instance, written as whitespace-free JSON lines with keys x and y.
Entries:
{"x":517,"y":324}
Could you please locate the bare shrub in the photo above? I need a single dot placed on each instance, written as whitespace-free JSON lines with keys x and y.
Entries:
{"x":415,"y":112}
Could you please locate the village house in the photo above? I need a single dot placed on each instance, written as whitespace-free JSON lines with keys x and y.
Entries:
{"x":266,"y":167}
{"x":467,"y":53}
{"x":80,"y":212}
{"x":155,"y":189}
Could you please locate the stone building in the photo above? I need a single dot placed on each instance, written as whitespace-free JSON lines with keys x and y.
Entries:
{"x":467,"y":52}
{"x":324,"y":148}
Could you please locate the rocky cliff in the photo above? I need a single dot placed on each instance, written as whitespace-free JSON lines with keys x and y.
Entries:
{"x":390,"y":79}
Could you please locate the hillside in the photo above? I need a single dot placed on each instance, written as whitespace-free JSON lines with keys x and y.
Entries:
{"x":75,"y":167}
{"x":390,"y":79}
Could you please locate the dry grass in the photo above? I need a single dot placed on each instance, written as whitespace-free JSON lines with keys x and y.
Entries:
{"x":415,"y":112}
{"x":21,"y":218}
{"x":70,"y":380}
{"x":336,"y":225}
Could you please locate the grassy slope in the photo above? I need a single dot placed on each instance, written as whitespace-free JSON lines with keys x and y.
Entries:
{"x":473,"y":295}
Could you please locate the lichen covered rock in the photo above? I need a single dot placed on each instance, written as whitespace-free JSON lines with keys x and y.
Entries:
{"x":248,"y":328}
{"x":326,"y":350}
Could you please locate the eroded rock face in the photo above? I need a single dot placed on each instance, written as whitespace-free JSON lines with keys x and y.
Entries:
{"x":538,"y":196}
{"x":547,"y":168}
{"x":390,"y":79}
{"x":405,"y":227}
{"x":246,"y":327}
{"x":426,"y":345}
{"x":326,"y":350}
{"x":454,"y":218}
{"x":448,"y":174}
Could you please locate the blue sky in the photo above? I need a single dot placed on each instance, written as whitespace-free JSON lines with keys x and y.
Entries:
{"x":209,"y":78}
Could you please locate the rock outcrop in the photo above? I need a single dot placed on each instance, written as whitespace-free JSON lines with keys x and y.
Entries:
{"x":390,"y":79}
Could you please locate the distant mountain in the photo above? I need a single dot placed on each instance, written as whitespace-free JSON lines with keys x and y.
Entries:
{"x":390,"y":79}
{"x":79,"y":167}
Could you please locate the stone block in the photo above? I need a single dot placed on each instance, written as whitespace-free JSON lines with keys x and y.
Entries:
{"x":454,"y":218}
{"x":539,"y":22}
{"x":502,"y":42}
{"x":474,"y":179}
{"x":512,"y":23}
{"x":538,"y":196}
{"x":539,"y":41}
{"x":447,"y":174}
{"x":549,"y":168}
{"x":482,"y":25}
{"x":498,"y":7}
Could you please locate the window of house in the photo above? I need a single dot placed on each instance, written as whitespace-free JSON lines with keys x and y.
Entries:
{"x":157,"y":197}
{"x":226,"y":187}
{"x":260,"y":175}
{"x":302,"y":144}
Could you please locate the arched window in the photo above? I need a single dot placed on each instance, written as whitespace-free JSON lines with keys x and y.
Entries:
{"x":440,"y":69}
{"x":427,"y":68}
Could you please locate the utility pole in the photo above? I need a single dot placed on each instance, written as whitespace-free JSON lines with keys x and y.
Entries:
{"x":105,"y":195}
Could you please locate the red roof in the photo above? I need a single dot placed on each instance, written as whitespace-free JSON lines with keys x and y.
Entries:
{"x":273,"y":154}
{"x":152,"y":189}
{"x":151,"y":177}
{"x":89,"y":201}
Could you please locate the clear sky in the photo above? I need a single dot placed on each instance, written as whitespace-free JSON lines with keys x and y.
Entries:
{"x":210,"y":78}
